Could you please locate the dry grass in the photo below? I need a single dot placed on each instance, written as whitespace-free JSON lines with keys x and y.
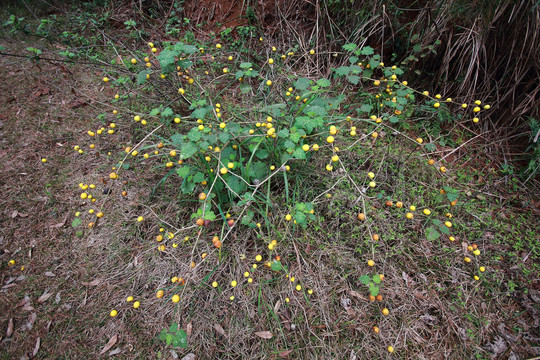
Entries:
{"x":436,"y":310}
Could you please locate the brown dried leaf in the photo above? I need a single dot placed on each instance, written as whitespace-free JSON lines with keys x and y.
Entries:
{"x":285,"y":353}
{"x":264,"y":334}
{"x":110,"y":344}
{"x":44,"y":297}
{"x":60,"y":224}
{"x":357,"y":295}
{"x":23,"y":302}
{"x":219,"y":329}
{"x":189,"y":328}
{"x":49,"y":274}
{"x":115,"y":352}
{"x":189,"y":356}
{"x":31,"y":321}
{"x":277,"y":306}
{"x":92,"y":283}
{"x":9,"y":331}
{"x":36,"y":348}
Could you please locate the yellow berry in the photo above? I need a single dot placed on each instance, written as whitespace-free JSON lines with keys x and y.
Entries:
{"x":114,"y":313}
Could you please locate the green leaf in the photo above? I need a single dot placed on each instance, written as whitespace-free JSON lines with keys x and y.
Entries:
{"x":167,"y":112}
{"x":194,"y":134}
{"x":302,"y":83}
{"x":173,"y":328}
{"x":141,"y":78}
{"x":168,"y":339}
{"x":246,"y":219}
{"x":342,"y":71}
{"x":262,"y":154}
{"x":276,"y":265}
{"x":208,"y":215}
{"x":308,"y":123}
{"x":274,"y":109}
{"x":246,"y":65}
{"x":224,"y":137}
{"x":239,"y":74}
{"x":198,"y":113}
{"x":299,"y":153}
{"x":245,"y":88}
{"x":301,"y":219}
{"x":353,"y":79}
{"x":323,"y":82}
{"x":444,"y":229}
{"x":188,"y":150}
{"x":374,"y":63}
{"x":163,"y":335}
{"x":76,"y":222}
{"x":432,"y":234}
{"x":283,"y":134}
{"x":198,"y":177}
{"x":177,"y":139}
{"x":314,"y":110}
{"x":180,"y":340}
{"x":183,"y":171}
{"x":349,"y":47}
{"x":190,"y":49}
{"x":184,"y":64}
{"x":376,"y":279}
{"x":258,"y":170}
{"x":367,"y":50}
{"x":393,"y":119}
{"x":166,"y":60}
{"x":366,"y":108}
{"x":236,"y":185}
{"x":364,"y":279}
{"x":373,"y":289}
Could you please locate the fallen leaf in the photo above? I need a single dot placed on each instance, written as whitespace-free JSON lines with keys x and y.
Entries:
{"x":92,"y":283}
{"x":31,"y":321}
{"x":357,"y":295}
{"x":14,"y":214}
{"x":189,"y":356}
{"x":49,"y":274}
{"x":28,"y":308}
{"x":9,"y":331}
{"x":219,"y":329}
{"x":277,"y":306}
{"x":189,"y":328}
{"x":57,"y":298}
{"x":109,"y":345}
{"x":285,"y":353}
{"x":44,"y":297}
{"x":115,"y":352}
{"x":23,"y":302}
{"x":36,"y":348}
{"x":264,"y":334}
{"x":59,"y":225}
